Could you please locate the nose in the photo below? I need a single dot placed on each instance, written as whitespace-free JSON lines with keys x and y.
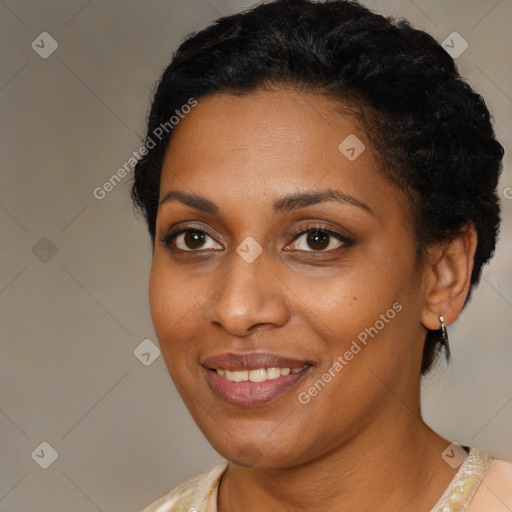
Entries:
{"x":250,"y":297}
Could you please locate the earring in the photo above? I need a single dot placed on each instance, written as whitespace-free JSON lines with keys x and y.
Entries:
{"x":444,"y":337}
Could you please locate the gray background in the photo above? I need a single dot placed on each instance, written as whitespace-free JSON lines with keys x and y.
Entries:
{"x":72,"y":320}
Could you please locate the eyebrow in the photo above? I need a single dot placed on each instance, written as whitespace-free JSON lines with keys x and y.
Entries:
{"x":303,"y":199}
{"x":192,"y":200}
{"x":281,"y":205}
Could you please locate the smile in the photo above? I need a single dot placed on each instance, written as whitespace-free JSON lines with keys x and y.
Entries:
{"x":253,"y":379}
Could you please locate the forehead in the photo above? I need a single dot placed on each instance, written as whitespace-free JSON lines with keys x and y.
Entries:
{"x":269,"y":143}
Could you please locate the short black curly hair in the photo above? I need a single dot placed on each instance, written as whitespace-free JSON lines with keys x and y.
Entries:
{"x":432,"y":131}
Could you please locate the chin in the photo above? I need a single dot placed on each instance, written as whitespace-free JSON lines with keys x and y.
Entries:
{"x":258,"y":451}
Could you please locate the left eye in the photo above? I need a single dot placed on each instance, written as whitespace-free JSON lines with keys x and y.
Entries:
{"x":319,"y":240}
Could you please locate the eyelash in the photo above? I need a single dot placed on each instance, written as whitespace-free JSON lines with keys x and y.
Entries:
{"x":167,"y":239}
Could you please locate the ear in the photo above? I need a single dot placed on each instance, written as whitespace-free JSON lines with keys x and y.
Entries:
{"x":448,"y":277}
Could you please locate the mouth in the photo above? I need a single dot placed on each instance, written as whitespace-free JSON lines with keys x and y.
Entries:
{"x":253,"y":379}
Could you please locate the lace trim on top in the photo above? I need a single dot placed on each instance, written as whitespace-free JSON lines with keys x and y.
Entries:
{"x":464,"y":485}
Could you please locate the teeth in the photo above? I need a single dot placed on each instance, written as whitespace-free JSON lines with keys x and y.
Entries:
{"x":240,"y":376}
{"x":258,"y":375}
{"x":273,"y":373}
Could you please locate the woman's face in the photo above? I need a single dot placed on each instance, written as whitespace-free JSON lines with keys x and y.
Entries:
{"x":299,"y":257}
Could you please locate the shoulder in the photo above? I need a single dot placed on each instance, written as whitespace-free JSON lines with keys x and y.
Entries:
{"x":494,"y":494}
{"x":198,"y":493}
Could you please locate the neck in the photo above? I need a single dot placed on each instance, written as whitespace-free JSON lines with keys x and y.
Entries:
{"x":393,"y":465}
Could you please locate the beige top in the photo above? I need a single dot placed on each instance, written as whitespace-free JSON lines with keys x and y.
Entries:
{"x":482,"y":484}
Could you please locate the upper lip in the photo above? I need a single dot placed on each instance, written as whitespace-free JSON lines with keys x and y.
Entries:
{"x":252,"y":361}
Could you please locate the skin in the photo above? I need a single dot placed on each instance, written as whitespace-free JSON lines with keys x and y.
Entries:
{"x":360,"y":442}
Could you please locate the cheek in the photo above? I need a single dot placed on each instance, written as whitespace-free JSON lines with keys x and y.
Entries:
{"x":364,"y":302}
{"x":177,"y":303}
{"x":161,"y":304}
{"x":351,"y":297}
{"x":170,"y":314}
{"x":171,"y":298}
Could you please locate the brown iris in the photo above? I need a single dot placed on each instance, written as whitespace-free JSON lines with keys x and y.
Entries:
{"x":319,"y":239}
{"x":194,"y":239}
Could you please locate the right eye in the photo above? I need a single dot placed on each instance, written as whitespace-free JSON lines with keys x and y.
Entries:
{"x":190,"y":240}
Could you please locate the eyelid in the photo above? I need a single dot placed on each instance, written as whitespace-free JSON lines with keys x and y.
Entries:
{"x":318,"y":226}
{"x":329,"y":231}
{"x":167,"y":239}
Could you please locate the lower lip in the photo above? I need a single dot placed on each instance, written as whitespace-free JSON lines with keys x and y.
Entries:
{"x":253,"y":394}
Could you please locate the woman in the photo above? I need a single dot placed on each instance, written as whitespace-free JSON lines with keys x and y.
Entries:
{"x":320,"y":191}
